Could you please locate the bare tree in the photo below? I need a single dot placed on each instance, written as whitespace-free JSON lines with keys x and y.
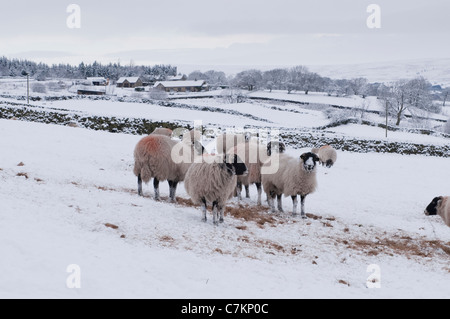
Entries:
{"x":445,"y":95}
{"x":249,"y":79}
{"x":358,"y":86}
{"x":398,"y":99}
{"x":215,"y":77}
{"x":233,"y":95}
{"x":196,"y":75}
{"x":295,"y":78}
{"x":420,"y":96}
{"x":275,"y":79}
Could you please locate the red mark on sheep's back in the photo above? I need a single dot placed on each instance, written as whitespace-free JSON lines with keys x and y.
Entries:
{"x":151,"y":143}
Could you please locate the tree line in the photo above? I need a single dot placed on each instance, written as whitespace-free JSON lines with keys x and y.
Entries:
{"x":112,"y":71}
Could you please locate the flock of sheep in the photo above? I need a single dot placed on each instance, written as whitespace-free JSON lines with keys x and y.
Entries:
{"x":212,"y":179}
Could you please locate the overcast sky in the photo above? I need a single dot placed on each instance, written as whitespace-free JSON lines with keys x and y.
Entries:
{"x":231,"y":32}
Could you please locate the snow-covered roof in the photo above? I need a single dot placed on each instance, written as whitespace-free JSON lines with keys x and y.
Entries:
{"x":129,"y":79}
{"x":176,"y":77}
{"x":177,"y":84}
{"x":96,"y":79}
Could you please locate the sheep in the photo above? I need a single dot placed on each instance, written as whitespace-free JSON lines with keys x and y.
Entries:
{"x":440,"y":206}
{"x":254,"y":155}
{"x":163,"y":131}
{"x":243,"y":151}
{"x":226,"y":141}
{"x":254,"y":169}
{"x":327,"y":155}
{"x":154,"y":158}
{"x":213,"y":181}
{"x":279,"y":147}
{"x":294,"y":177}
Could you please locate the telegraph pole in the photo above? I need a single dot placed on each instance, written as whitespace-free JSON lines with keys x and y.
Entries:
{"x":387,"y":122}
{"x":28,"y":85}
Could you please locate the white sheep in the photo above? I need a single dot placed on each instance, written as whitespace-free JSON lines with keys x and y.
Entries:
{"x":440,"y":206}
{"x":295,"y":176}
{"x":160,"y":158}
{"x":163,"y":131}
{"x":212,"y":182}
{"x":254,"y":155}
{"x":327,"y":155}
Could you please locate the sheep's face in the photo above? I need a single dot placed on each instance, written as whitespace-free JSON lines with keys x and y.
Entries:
{"x":309,"y":161}
{"x":275,"y":147}
{"x":432,"y":209}
{"x":329,"y":163}
{"x":235,"y":164}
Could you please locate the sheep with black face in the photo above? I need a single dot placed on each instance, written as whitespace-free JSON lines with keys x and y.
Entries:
{"x":295,"y":176}
{"x":440,"y":206}
{"x":213,"y":181}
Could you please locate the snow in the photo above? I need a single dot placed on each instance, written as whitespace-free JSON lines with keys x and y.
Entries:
{"x":370,"y":103}
{"x":178,"y":84}
{"x":371,"y":132}
{"x":72,"y":181}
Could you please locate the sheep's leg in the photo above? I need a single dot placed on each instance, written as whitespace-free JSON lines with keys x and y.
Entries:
{"x":221,"y":211}
{"x":204,"y":219}
{"x":215,"y":214}
{"x":239,"y":190}
{"x":247,"y":191}
{"x":156,"y":186}
{"x":303,"y":197}
{"x":173,"y":189}
{"x":258,"y":187}
{"x":271,"y":200}
{"x":280,"y":202}
{"x":294,"y":205}
{"x":140,"y":185}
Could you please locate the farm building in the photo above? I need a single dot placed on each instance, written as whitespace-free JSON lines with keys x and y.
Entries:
{"x":178,"y":77}
{"x":129,"y":82}
{"x":182,"y":86}
{"x":97,"y":81}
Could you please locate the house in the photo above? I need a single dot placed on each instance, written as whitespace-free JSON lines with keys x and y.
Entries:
{"x":97,"y":81}
{"x":178,"y":77}
{"x":182,"y":86}
{"x":129,"y":82}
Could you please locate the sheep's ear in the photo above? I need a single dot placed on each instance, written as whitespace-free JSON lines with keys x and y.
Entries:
{"x":228,"y":161}
{"x":316,"y":157}
{"x":282,"y":147}
{"x":199,"y":147}
{"x":438,"y":201}
{"x":229,"y":158}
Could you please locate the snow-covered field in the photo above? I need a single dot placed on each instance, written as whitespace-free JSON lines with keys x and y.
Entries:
{"x":59,"y":186}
